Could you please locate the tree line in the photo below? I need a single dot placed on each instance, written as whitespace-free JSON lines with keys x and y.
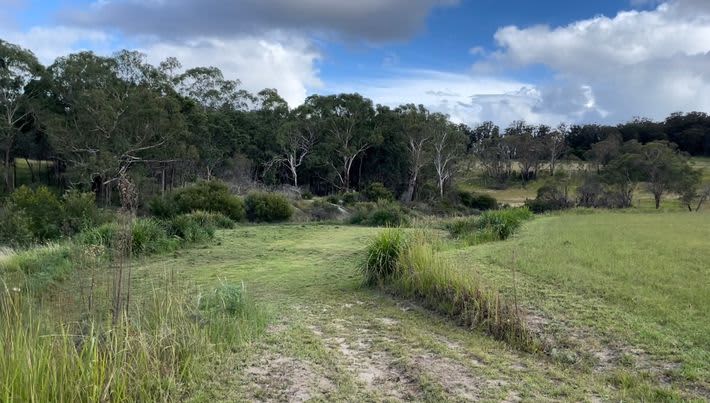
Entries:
{"x":96,"y":119}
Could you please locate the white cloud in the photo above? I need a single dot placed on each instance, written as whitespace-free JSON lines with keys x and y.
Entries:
{"x":287,"y":64}
{"x":48,"y":43}
{"x":638,"y":63}
{"x":465,"y":98}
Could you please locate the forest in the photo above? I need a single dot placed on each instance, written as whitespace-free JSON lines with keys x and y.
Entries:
{"x":93,"y":119}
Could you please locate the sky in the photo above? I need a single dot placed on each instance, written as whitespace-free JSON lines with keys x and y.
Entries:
{"x":543,"y":61}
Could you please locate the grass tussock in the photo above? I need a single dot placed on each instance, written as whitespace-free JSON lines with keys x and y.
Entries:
{"x":410,"y":266}
{"x":490,"y":226}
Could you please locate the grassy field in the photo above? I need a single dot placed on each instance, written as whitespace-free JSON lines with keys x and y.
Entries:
{"x":627,"y":323}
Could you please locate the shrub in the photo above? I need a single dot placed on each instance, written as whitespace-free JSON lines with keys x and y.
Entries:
{"x":321,"y":210}
{"x":149,"y":236}
{"x":306,"y":195}
{"x":42,"y":208}
{"x":490,"y":226}
{"x":103,"y":235}
{"x":213,"y":196}
{"x":387,"y":214}
{"x":267,"y":207}
{"x":189,"y":228}
{"x":211,"y":219}
{"x":163,"y":207}
{"x":350,"y":198}
{"x":333,"y":199}
{"x":381,"y":260}
{"x":549,"y":198}
{"x":80,"y":211}
{"x":481,"y":202}
{"x":377,"y":191}
{"x":380,"y":214}
{"x":15,"y":228}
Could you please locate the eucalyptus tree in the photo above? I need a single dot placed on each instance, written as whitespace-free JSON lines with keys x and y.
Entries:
{"x":349,"y":121}
{"x":296,"y":139}
{"x":449,"y":144}
{"x":18,"y":69}
{"x":419,"y":133}
{"x":114,"y":114}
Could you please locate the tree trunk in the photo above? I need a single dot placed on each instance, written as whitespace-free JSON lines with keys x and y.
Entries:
{"x":8,"y":179}
{"x":162,"y":181}
{"x":657,"y":198}
{"x":408,"y":195}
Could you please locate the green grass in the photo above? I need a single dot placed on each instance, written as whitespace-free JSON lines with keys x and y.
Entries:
{"x":629,"y":284}
{"x":634,"y":278}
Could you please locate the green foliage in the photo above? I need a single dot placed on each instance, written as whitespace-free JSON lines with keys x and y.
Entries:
{"x":377,"y":191}
{"x":15,"y":228}
{"x":323,"y":211}
{"x":382,"y":258}
{"x":350,"y":198}
{"x":42,"y":208}
{"x":380,"y":214}
{"x":267,"y":207}
{"x":490,"y":226}
{"x":227,"y":299}
{"x":211,"y":219}
{"x":80,"y":211}
{"x":190,"y":228}
{"x":149,"y":237}
{"x":481,"y":202}
{"x":549,"y":198}
{"x":212,"y":196}
{"x":307,"y":195}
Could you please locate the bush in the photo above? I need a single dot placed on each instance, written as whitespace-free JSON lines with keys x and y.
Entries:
{"x":350,"y":198}
{"x":80,"y":211}
{"x":321,"y":210}
{"x":377,"y":191}
{"x":380,"y":214}
{"x":210,"y":219}
{"x":149,"y":236}
{"x":490,"y":226}
{"x":103,"y":235}
{"x":306,"y":195}
{"x":163,"y":207}
{"x":213,"y":196}
{"x":189,"y":228}
{"x":481,"y":202}
{"x":267,"y":207}
{"x":15,"y":228}
{"x":549,"y":198}
{"x":42,"y":208}
{"x":381,"y":260}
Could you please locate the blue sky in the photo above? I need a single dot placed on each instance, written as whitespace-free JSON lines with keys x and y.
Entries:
{"x":544,"y":61}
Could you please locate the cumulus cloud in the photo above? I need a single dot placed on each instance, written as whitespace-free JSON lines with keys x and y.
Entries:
{"x":371,"y":20}
{"x":48,"y":43}
{"x":287,"y":64}
{"x":638,"y":63}
{"x":465,"y":98}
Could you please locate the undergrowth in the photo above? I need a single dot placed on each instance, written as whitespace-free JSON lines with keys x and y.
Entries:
{"x":490,"y":226}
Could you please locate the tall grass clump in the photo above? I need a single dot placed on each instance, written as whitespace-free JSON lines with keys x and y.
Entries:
{"x":490,"y":226}
{"x":230,"y":316}
{"x":383,"y":253}
{"x":409,"y":266}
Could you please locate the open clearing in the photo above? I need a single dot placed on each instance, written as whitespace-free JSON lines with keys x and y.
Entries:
{"x":629,"y":323}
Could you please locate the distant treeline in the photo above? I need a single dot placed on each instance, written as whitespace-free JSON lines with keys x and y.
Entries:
{"x":101,"y":118}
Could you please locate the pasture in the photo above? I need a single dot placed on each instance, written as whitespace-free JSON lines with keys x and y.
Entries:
{"x":618,"y":297}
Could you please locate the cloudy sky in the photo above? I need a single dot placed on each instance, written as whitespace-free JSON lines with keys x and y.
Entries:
{"x":544,"y":61}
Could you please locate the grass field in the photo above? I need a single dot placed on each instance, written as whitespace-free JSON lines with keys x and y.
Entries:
{"x":620,"y":297}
